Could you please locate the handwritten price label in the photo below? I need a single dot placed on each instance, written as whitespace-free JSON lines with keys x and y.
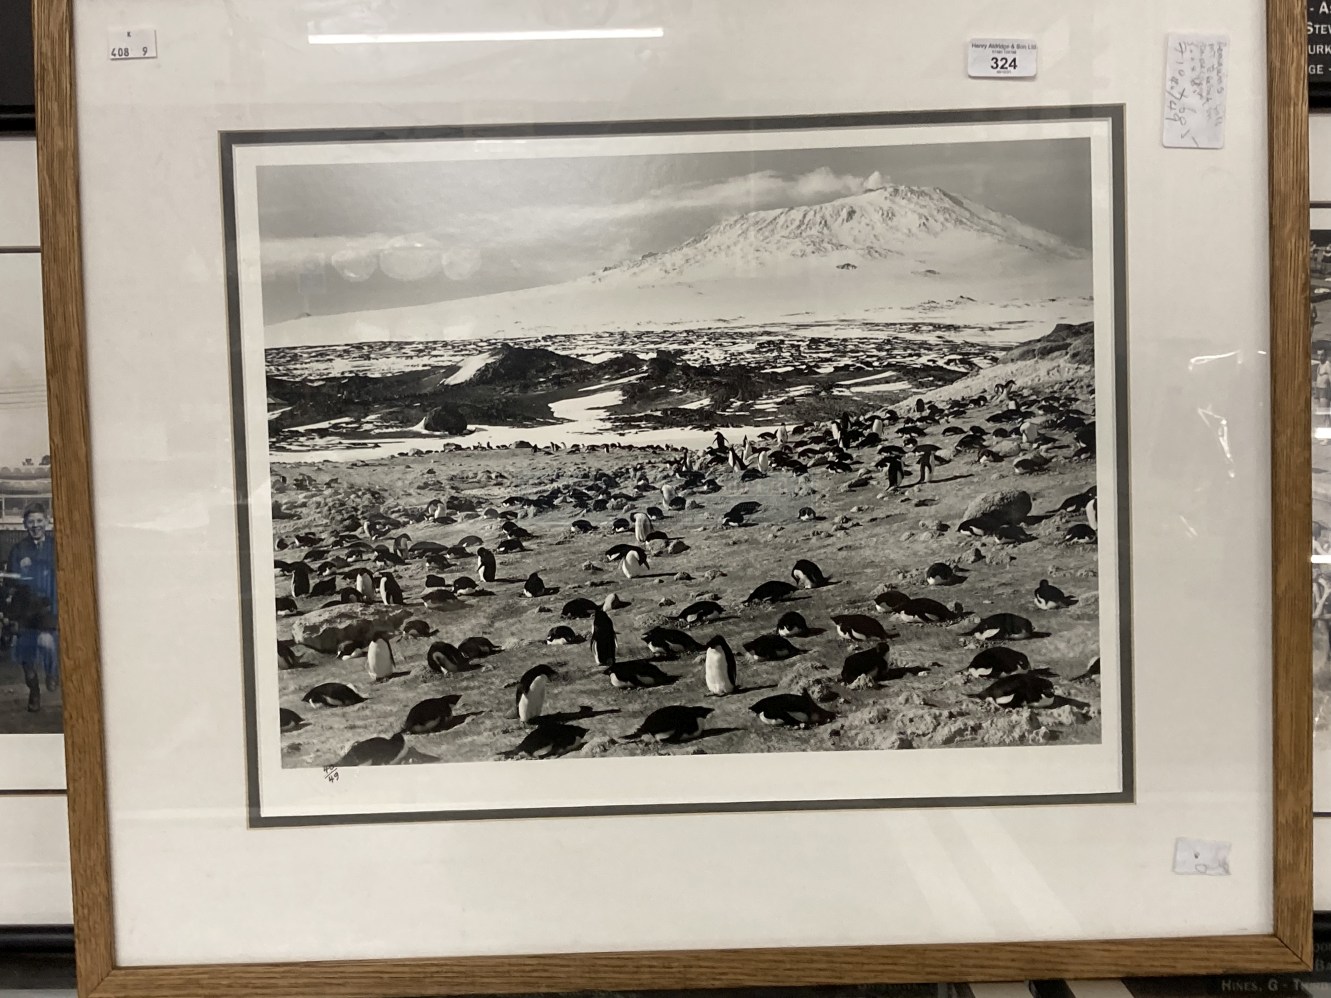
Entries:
{"x":140,"y":43}
{"x":1002,"y":58}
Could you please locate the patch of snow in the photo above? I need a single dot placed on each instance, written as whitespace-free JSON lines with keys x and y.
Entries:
{"x":469,"y":369}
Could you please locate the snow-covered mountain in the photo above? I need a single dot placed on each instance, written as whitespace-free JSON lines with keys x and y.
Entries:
{"x":893,"y":223}
{"x":888,"y":254}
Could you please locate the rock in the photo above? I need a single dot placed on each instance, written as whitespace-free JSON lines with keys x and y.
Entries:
{"x":445,"y":419}
{"x":693,"y":504}
{"x":325,"y":629}
{"x":712,"y":574}
{"x":683,"y":577}
{"x":666,"y":601}
{"x":677,"y":547}
{"x":975,"y":556}
{"x":933,"y":526}
{"x":909,"y":535}
{"x":1004,"y":505}
{"x":591,"y":566}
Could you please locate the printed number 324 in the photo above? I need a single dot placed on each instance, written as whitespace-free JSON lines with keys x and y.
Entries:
{"x":1002,"y":63}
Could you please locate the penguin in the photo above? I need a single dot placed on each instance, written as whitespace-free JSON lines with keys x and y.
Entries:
{"x":634,"y":563}
{"x":1049,"y":597}
{"x":1080,"y":533}
{"x":364,"y":583}
{"x":891,"y":599}
{"x":436,"y":582}
{"x":871,"y":662}
{"x":547,"y":740}
{"x":1092,"y":673}
{"x":770,"y":592}
{"x":562,"y":635}
{"x":807,"y":514}
{"x":402,"y":545}
{"x":286,"y":606}
{"x":771,"y":648}
{"x":896,"y":472}
{"x":696,"y":613}
{"x":924,"y":611}
{"x":672,"y":725}
{"x":444,"y":657}
{"x":509,"y":545}
{"x":379,"y":661}
{"x":324,"y":587}
{"x":374,"y":751}
{"x":792,"y":625}
{"x":485,"y":564}
{"x":940,"y":574}
{"x":287,"y":657}
{"x":997,"y":661}
{"x":793,"y":710}
{"x":478,"y":647}
{"x":664,"y":641}
{"x":465,"y":586}
{"x":858,"y":627}
{"x":578,"y":609}
{"x":534,"y":587}
{"x":621,"y":526}
{"x":390,"y":593}
{"x":531,"y":692}
{"x":300,"y":580}
{"x":418,"y":629}
{"x":333,"y":695}
{"x":642,"y":526}
{"x":979,"y":526}
{"x":719,"y":668}
{"x":430,"y":715}
{"x":438,"y":598}
{"x":637,"y":675}
{"x":350,"y":649}
{"x":603,"y":640}
{"x":1021,"y":689}
{"x":581,"y":527}
{"x":1093,"y":513}
{"x":732,"y":520}
{"x":807,"y":575}
{"x":616,"y":553}
{"x":1003,"y":627}
{"x":291,"y":721}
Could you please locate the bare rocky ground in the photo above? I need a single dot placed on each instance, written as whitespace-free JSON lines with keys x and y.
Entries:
{"x":865,"y":540}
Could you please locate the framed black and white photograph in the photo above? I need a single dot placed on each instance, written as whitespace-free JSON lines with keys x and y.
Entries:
{"x":31,"y":750}
{"x":707,"y":464}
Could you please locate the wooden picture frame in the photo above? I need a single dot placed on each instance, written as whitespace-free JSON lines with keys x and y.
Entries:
{"x":101,"y":975}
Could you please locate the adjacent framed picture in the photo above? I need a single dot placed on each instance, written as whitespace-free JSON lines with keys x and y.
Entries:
{"x":572,"y":473}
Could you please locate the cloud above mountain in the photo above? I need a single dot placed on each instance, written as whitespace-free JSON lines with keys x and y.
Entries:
{"x":582,"y":228}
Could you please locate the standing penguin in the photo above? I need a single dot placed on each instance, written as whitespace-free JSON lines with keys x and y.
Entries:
{"x":364,"y":583}
{"x":1093,"y":513}
{"x":485,"y":563}
{"x":642,"y":526}
{"x":720,"y":667}
{"x":300,"y":580}
{"x":379,"y":658}
{"x":390,"y":593}
{"x":603,"y":640}
{"x":531,"y":692}
{"x":896,"y":472}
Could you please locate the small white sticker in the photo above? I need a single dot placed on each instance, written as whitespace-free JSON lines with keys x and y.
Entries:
{"x":1002,"y":58}
{"x":1196,"y":81}
{"x":1197,"y":857}
{"x":140,"y":43}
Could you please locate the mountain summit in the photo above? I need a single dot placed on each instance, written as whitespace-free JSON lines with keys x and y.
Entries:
{"x":923,"y":226}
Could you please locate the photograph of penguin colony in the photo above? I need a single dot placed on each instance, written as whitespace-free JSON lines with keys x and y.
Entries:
{"x":809,"y":464}
{"x":913,"y":576}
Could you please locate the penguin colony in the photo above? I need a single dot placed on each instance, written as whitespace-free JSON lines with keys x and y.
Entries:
{"x":645,"y":645}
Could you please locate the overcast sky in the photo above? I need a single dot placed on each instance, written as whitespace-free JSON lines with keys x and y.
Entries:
{"x":346,"y":237}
